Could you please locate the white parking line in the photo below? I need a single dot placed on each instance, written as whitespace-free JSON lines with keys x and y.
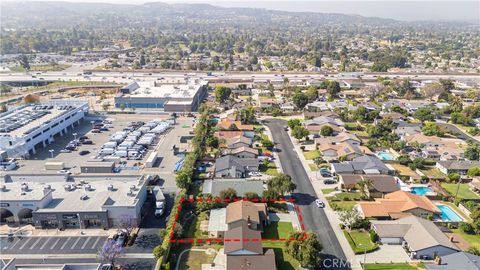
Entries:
{"x":14,"y":244}
{"x":86,"y":241}
{"x":76,"y":242}
{"x":54,"y":244}
{"x":46,"y":242}
{"x":26,"y":242}
{"x":64,"y":244}
{"x":36,"y":242}
{"x":95,"y":243}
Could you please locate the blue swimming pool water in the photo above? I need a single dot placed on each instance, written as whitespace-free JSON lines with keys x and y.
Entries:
{"x":385,"y":156}
{"x":420,"y":190}
{"x":448,"y":214}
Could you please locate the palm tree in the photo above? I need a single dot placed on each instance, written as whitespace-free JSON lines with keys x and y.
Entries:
{"x":364,"y":186}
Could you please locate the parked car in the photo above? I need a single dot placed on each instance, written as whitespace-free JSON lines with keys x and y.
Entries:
{"x":65,"y":151}
{"x":84,"y":152}
{"x":329,"y":181}
{"x":88,"y":142}
{"x":64,"y":172}
{"x":96,"y":131}
{"x":254,"y":174}
{"x":121,"y":238}
{"x":319,"y":203}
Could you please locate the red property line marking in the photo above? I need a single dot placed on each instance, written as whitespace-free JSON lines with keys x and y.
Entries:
{"x":219,"y":240}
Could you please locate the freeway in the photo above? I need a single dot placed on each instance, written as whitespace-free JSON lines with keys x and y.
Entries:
{"x":125,"y":77}
{"x":314,"y":218}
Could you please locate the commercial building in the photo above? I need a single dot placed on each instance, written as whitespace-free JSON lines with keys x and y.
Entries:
{"x":80,"y":204}
{"x":172,"y":96}
{"x":25,"y":128}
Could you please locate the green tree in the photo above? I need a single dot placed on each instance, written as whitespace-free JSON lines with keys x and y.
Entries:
{"x":424,"y":114}
{"x":432,"y":129}
{"x":183,"y":179}
{"x":300,"y":100}
{"x":312,"y":93}
{"x":472,"y":152}
{"x":281,"y":184}
{"x":247,"y":115}
{"x":292,"y":123}
{"x":447,"y":84}
{"x":456,"y":104}
{"x":222,"y":93}
{"x":326,"y":131}
{"x":228,"y":193}
{"x":305,"y":251}
{"x":333,"y":88}
{"x":23,"y":60}
{"x":251,"y":195}
{"x":300,"y":132}
{"x":142,"y":60}
{"x":364,"y":186}
{"x":473,"y":171}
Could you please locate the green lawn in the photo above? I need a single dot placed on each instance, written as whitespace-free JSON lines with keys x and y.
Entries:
{"x":195,"y":259}
{"x":312,"y":167}
{"x":46,"y":67}
{"x":359,"y":241}
{"x":433,"y":173}
{"x":345,"y":196}
{"x":283,"y":260}
{"x":341,"y":205}
{"x":327,"y":190}
{"x":393,"y":266}
{"x":278,"y":230}
{"x":464,"y":191}
{"x":472,"y":239}
{"x":271,"y":169}
{"x":311,"y":155}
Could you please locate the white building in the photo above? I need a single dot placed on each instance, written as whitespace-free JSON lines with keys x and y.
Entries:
{"x":27,"y":127}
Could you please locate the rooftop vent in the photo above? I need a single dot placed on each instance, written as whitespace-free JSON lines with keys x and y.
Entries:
{"x":87,"y":187}
{"x":47,"y":187}
{"x":110,"y":187}
{"x":24,"y":187}
{"x":3,"y":188}
{"x":84,"y":197}
{"x":132,"y":188}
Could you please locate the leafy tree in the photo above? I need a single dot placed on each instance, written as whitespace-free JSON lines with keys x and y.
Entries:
{"x":247,"y":115}
{"x":456,"y":104}
{"x":364,"y":186}
{"x":475,"y":216}
{"x":447,"y":84}
{"x":267,"y":143}
{"x":326,"y":131}
{"x":432,"y":129}
{"x":251,"y":195}
{"x":472,"y":152}
{"x":350,"y":218}
{"x":23,"y":60}
{"x":417,"y":163}
{"x":183,"y":179}
{"x":281,"y":184}
{"x":300,"y":100}
{"x":292,"y":123}
{"x":312,"y":93}
{"x":432,"y":90}
{"x":474,"y":251}
{"x":473,"y":171}
{"x":404,"y":160}
{"x":228,"y":193}
{"x":142,"y":60}
{"x":110,"y":251}
{"x":453,"y":177}
{"x":222,"y":93}
{"x":424,"y":114}
{"x":300,"y":132}
{"x":333,"y":88}
{"x":466,"y":227}
{"x":305,"y":251}
{"x":460,"y":118}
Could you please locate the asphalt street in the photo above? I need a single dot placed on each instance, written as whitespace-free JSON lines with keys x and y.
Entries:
{"x":458,"y":131}
{"x":315,"y":219}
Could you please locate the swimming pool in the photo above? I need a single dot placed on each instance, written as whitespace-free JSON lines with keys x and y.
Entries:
{"x":448,"y":214}
{"x":384,"y":155}
{"x":420,"y":190}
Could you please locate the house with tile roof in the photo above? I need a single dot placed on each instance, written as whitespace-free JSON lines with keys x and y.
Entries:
{"x":422,"y":238}
{"x":398,"y":204}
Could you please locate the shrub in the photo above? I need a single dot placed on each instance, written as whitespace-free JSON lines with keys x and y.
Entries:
{"x":158,"y":252}
{"x":373,"y":236}
{"x":466,"y":227}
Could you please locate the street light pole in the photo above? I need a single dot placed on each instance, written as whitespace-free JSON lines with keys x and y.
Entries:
{"x":74,"y":135}
{"x":51,"y":152}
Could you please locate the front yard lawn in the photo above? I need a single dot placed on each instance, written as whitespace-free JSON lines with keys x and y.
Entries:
{"x":472,"y":239}
{"x":271,"y":169}
{"x":277,"y":230}
{"x":327,"y":190}
{"x":341,"y":205}
{"x":311,"y":155}
{"x":464,"y":191}
{"x":393,"y":266}
{"x":360,"y":241}
{"x":312,"y":167}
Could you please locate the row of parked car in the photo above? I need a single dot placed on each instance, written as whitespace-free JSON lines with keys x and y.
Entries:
{"x":74,"y":144}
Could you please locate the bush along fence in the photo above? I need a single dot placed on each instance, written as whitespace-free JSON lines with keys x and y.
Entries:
{"x":184,"y":180}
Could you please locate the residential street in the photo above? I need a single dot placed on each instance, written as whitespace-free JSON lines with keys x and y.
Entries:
{"x":314,"y":218}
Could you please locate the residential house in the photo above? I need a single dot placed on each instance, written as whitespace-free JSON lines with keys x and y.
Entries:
{"x":242,"y":152}
{"x":226,"y":124}
{"x":456,"y":166}
{"x":332,"y":152}
{"x":398,"y":204}
{"x":342,"y":137}
{"x":353,"y":83}
{"x":247,"y":254}
{"x":315,"y":125}
{"x":241,"y":186}
{"x":265,"y":102}
{"x":238,"y":141}
{"x":381,"y":184}
{"x":405,"y":129}
{"x":312,"y":114}
{"x":225,"y":134}
{"x":362,"y":165}
{"x":437,"y":148}
{"x":456,"y":261}
{"x":422,"y":238}
{"x":317,"y":106}
{"x":232,"y":167}
{"x":395,"y":116}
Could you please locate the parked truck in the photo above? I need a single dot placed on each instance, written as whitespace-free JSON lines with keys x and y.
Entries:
{"x":159,"y":201}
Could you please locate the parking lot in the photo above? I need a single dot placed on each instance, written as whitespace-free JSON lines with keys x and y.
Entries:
{"x":164,"y":143}
{"x":52,"y":244}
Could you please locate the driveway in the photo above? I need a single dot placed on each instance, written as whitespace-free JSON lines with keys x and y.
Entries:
{"x":314,"y":218}
{"x":385,"y":254}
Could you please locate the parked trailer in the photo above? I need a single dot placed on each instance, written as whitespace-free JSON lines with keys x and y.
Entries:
{"x":107,"y":151}
{"x":121,"y":154}
{"x":54,"y":165}
{"x":110,"y":145}
{"x":151,"y":160}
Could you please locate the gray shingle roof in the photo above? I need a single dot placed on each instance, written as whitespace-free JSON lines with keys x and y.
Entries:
{"x":457,"y":261}
{"x":228,"y":161}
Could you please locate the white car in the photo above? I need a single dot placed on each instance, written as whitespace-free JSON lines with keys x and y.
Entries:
{"x":64,"y":172}
{"x":254,"y":174}
{"x":319,"y":203}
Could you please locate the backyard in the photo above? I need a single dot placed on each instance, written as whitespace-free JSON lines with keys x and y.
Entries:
{"x":194,"y":259}
{"x":472,"y":239}
{"x":360,"y":241}
{"x":433,"y":173}
{"x":464,"y":191}
{"x":283,"y":260}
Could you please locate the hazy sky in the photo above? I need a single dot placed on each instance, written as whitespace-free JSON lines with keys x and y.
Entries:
{"x":400,"y":10}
